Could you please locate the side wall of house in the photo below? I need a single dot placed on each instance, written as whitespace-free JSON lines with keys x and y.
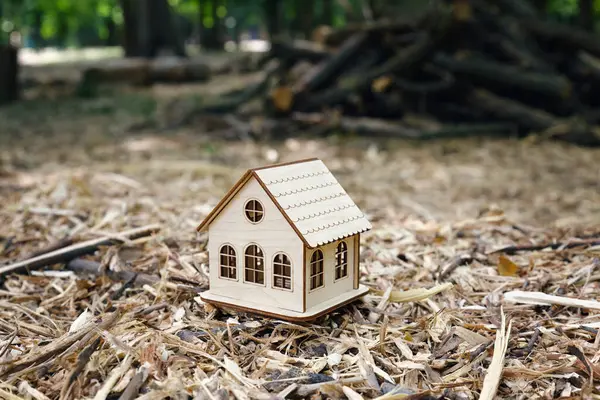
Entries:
{"x":331,"y":287}
{"x":273,"y":234}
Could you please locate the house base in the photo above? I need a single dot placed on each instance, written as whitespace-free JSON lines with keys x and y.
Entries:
{"x":279,"y":313}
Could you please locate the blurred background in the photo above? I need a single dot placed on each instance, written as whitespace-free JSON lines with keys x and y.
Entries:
{"x":441,"y":107}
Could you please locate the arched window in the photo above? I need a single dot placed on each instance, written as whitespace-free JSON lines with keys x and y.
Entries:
{"x":227,"y":262}
{"x":282,"y":271}
{"x":316,"y":270}
{"x":254,"y":265}
{"x":254,"y":211}
{"x":341,"y":261}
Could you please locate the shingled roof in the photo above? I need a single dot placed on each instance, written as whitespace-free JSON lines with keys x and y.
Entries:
{"x":311,"y":199}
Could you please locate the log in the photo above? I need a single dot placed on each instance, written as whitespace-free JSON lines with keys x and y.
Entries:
{"x":68,"y":253}
{"x":493,"y":72}
{"x":445,"y":80}
{"x":142,"y":71}
{"x":227,"y":104}
{"x":399,"y":129}
{"x":572,"y":131}
{"x":338,"y":36}
{"x":172,"y":69}
{"x":326,"y":71}
{"x":401,"y":62}
{"x":297,"y":50}
{"x":9,"y":71}
{"x":520,"y":8}
{"x":588,"y":65}
{"x":510,"y":110}
{"x":567,"y":35}
{"x":514,"y":40}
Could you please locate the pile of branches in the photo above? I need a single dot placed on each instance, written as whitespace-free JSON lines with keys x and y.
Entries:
{"x":461,"y":68}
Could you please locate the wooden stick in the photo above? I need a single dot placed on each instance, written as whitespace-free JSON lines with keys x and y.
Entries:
{"x":51,"y":247}
{"x":553,"y":246}
{"x":76,"y":250}
{"x":134,"y":386}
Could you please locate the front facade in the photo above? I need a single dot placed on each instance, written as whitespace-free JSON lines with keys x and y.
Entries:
{"x":285,"y":242}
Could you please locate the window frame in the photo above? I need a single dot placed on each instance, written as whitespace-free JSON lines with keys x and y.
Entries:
{"x":321,"y":273}
{"x":245,"y":211}
{"x":235,"y":266}
{"x":274,"y":275}
{"x":264,"y":283}
{"x":341,"y":264}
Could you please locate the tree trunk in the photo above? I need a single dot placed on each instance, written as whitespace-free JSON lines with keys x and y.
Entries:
{"x":327,"y":15}
{"x":150,"y":29}
{"x":9,"y":74}
{"x":36,"y":29}
{"x":210,"y":25}
{"x":586,"y":15}
{"x":273,"y":16}
{"x":303,"y":19}
{"x":112,"y":39}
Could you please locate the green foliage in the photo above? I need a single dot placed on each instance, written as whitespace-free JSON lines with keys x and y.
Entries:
{"x":568,"y":8}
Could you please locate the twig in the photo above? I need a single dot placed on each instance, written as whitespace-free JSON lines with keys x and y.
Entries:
{"x":59,"y":345}
{"x":134,"y":385}
{"x":113,"y":378}
{"x":82,"y":360}
{"x":456,"y":262}
{"x":70,"y":252}
{"x":51,"y":247}
{"x":531,"y":344}
{"x":553,"y":246}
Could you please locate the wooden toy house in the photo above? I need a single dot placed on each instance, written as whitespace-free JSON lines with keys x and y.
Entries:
{"x":284,"y":242}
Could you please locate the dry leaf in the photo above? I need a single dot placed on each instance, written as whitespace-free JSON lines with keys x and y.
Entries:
{"x":506,"y":267}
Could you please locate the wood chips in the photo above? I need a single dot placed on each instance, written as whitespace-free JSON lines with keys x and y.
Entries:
{"x":437,"y":323}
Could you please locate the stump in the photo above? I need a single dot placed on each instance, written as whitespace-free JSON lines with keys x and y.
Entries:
{"x":9,"y":67}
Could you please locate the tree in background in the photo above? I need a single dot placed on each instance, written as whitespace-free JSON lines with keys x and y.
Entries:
{"x":210,"y":19}
{"x":9,"y":66}
{"x":586,"y":14}
{"x":149,"y":29}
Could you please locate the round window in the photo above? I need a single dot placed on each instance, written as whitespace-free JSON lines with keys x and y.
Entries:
{"x":254,"y":211}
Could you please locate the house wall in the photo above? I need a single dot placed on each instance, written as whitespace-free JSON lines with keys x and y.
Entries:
{"x":331,"y":288}
{"x":273,"y":234}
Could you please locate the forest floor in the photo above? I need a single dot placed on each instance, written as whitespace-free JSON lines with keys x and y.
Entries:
{"x":87,"y":168}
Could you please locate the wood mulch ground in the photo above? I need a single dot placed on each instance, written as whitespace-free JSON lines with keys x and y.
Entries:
{"x":449,"y":316}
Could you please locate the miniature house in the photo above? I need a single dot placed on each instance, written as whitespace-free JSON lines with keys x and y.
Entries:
{"x":284,"y":242}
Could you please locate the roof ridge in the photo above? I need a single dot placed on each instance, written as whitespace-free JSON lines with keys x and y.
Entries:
{"x":283,"y":164}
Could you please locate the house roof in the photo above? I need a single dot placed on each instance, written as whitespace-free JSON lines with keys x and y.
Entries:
{"x":309,"y":197}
